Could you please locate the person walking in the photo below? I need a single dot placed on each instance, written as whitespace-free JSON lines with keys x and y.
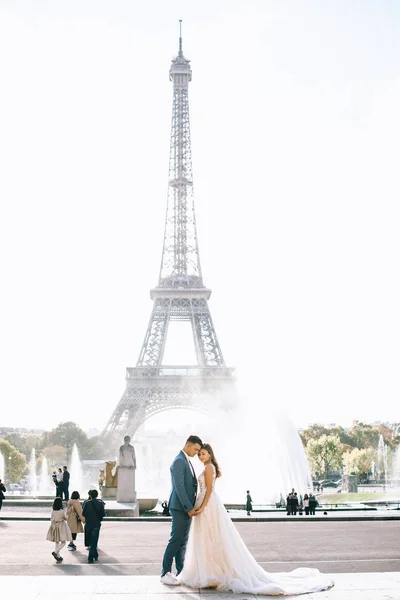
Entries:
{"x":58,"y":532}
{"x":75,"y":518}
{"x":66,"y":476}
{"x":289,"y":503}
{"x":94,"y":513}
{"x":294,"y":504}
{"x":86,"y":532}
{"x":312,"y":503}
{"x":2,"y":492}
{"x":249,"y":503}
{"x":306,"y":504}
{"x":181,"y":506}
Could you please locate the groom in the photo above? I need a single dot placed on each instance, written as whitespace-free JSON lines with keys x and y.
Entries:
{"x":181,"y":506}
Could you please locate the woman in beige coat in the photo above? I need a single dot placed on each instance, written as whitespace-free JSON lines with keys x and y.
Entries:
{"x":75,"y":518}
{"x":58,"y":532}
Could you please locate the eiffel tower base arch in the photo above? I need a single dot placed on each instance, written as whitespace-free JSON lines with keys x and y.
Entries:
{"x":150,"y":391}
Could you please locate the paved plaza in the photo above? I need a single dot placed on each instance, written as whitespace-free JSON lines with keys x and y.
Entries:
{"x":363,"y":558}
{"x":351,"y":586}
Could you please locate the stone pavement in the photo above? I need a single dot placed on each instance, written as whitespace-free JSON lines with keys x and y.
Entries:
{"x":348,"y":586}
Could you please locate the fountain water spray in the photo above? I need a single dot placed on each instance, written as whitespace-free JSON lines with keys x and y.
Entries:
{"x":76,"y":472}
{"x":32,"y":472}
{"x":382,"y":460}
{"x":262,"y":454}
{"x":44,"y":480}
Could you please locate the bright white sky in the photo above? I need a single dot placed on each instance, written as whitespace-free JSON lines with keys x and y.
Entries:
{"x":295,"y":135}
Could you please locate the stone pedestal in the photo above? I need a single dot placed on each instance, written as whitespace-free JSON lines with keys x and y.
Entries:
{"x":126,"y":485}
{"x":349,"y":484}
{"x":109,"y":492}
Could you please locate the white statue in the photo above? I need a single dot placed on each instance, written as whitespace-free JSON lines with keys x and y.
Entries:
{"x":127,"y":457}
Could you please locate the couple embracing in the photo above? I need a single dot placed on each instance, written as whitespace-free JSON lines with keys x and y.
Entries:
{"x":207,"y":549}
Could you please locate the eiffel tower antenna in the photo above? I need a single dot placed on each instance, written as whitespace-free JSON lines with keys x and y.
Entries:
{"x":180,"y":295}
{"x":180,"y":54}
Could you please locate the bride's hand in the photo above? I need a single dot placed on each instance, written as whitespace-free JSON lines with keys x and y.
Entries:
{"x":198,"y":511}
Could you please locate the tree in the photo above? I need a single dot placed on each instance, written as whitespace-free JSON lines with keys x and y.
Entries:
{"x":66,"y":434}
{"x":14,"y":462}
{"x":388,"y":435}
{"x":324,"y":454}
{"x":358,"y":461}
{"x":56,"y":456}
{"x":25,"y":443}
{"x":313,"y":432}
{"x":96,"y":447}
{"x":364,"y":435}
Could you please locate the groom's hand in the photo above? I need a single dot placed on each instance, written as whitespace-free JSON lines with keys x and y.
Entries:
{"x":192,"y":512}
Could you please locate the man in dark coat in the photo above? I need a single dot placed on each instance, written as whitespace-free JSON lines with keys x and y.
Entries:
{"x":313,"y":503}
{"x":249,"y":503}
{"x":66,"y":476}
{"x":181,"y":506}
{"x":294,"y":503}
{"x":94,"y":513}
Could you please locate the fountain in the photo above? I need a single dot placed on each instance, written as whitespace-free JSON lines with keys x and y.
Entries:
{"x":45,"y":483}
{"x":382,"y":461}
{"x":32,"y":472}
{"x":2,"y":471}
{"x":265,"y":456}
{"x":396,"y":467}
{"x":76,"y":472}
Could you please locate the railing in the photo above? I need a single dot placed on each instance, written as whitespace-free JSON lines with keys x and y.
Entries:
{"x":177,"y":371}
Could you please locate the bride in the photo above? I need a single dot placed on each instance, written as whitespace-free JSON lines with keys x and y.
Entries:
{"x":216,"y":555}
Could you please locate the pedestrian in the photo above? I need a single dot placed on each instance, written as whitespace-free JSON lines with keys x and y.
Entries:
{"x":294,"y":503}
{"x":85,"y":534}
{"x":165,"y":508}
{"x":249,"y":503}
{"x":60,"y":483}
{"x":75,"y":518}
{"x":94,"y":513}
{"x":58,"y":532}
{"x":289,"y":503}
{"x":306,"y":504}
{"x":66,"y":476}
{"x":2,"y":491}
{"x":312,"y":503}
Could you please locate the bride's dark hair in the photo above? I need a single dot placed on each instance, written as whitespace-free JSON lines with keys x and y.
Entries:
{"x":213,"y":459}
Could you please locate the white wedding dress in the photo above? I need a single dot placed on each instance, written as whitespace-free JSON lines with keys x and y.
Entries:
{"x":216,"y":556}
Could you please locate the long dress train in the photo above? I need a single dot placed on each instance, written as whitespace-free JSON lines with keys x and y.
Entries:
{"x":216,"y":556}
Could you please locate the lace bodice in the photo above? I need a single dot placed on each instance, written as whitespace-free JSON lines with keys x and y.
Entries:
{"x":202,"y":482}
{"x":202,"y":487}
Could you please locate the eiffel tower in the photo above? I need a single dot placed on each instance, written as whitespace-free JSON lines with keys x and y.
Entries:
{"x":180,"y":295}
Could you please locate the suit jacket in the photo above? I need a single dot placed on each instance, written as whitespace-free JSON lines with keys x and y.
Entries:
{"x":66,"y":476}
{"x":2,"y":489}
{"x":184,"y":485}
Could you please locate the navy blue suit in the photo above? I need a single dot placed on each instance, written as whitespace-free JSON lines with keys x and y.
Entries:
{"x":181,"y":501}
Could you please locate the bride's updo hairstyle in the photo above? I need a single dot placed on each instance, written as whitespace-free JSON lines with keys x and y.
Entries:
{"x":213,"y":459}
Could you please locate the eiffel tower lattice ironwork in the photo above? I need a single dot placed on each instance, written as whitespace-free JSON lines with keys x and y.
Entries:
{"x":180,"y":295}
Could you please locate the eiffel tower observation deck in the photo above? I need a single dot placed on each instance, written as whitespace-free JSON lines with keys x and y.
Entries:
{"x":151,"y":386}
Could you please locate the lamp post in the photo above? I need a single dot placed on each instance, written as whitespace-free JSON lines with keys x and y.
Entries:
{"x":9,"y":468}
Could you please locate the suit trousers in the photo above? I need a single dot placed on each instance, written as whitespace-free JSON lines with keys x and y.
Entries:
{"x":176,"y":546}
{"x":93,"y":535}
